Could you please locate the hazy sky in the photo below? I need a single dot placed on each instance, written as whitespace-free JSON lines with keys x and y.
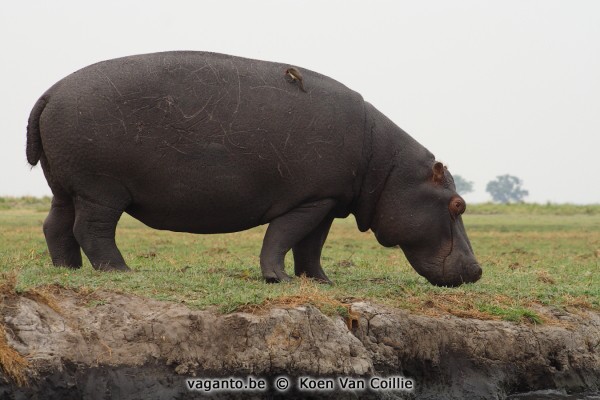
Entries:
{"x":490,"y":87}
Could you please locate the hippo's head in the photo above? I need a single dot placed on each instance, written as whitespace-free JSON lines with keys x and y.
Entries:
{"x":421,"y":213}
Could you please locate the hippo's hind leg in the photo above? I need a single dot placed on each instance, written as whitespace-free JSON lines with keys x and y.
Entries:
{"x":307,"y":253}
{"x":58,"y":230}
{"x":94,"y":228}
{"x":287,"y":231}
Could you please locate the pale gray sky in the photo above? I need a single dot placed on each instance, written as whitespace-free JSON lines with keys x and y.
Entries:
{"x":490,"y":87}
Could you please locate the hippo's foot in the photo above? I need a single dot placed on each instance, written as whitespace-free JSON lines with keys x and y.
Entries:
{"x":108,"y":267}
{"x":320,"y":278}
{"x":67,"y":264}
{"x":274,"y":276}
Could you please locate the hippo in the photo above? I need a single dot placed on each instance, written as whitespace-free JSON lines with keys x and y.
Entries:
{"x":206,"y":143}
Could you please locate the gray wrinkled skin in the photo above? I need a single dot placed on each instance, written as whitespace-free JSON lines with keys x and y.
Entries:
{"x":210,"y":143}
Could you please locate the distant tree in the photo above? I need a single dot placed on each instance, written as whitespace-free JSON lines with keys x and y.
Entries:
{"x":463,"y":186}
{"x":506,"y":189}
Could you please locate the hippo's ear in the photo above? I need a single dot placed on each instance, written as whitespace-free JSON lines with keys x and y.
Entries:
{"x":438,"y":173}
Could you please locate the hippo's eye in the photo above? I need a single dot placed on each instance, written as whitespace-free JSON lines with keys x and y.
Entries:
{"x":457,"y":206}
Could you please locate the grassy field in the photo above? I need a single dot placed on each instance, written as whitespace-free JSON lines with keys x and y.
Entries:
{"x":531,"y":255}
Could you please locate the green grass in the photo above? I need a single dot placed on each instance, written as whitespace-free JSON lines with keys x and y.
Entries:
{"x":25,"y":202}
{"x":529,"y":257}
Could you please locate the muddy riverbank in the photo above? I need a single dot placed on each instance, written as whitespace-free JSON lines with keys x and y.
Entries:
{"x":107,"y":345}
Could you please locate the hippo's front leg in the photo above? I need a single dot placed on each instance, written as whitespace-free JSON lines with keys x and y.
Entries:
{"x":307,"y":253}
{"x":285,"y":232}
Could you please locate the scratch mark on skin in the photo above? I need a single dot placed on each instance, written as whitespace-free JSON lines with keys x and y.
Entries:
{"x":122,"y":119}
{"x":194,"y":115}
{"x":189,"y":128}
{"x":248,"y":131}
{"x":173,"y":147}
{"x":271,"y":87}
{"x":186,"y":117}
{"x":289,"y":134}
{"x":166,"y":104}
{"x":227,"y":134}
{"x":198,"y":77}
{"x":101,"y":73}
{"x":317,"y":151}
{"x":282,"y":161}
{"x":214,"y":71}
{"x":210,"y":114}
{"x":195,"y":71}
{"x":259,"y":74}
{"x":77,"y":112}
{"x":140,"y":109}
{"x":321,"y":141}
{"x":239,"y":99}
{"x":110,"y":114}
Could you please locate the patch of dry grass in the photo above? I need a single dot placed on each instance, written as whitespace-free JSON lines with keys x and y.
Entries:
{"x":45,"y":295}
{"x":460,"y":305}
{"x":12,"y":363}
{"x":307,"y":292}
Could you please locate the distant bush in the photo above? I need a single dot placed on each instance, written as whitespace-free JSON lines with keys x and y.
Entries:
{"x":506,"y":189}
{"x":463,"y":186}
{"x":533,"y":208}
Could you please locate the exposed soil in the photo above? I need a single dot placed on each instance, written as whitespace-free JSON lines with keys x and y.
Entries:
{"x":104,"y":345}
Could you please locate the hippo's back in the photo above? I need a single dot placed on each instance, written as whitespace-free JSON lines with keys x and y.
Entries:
{"x":190,"y":137}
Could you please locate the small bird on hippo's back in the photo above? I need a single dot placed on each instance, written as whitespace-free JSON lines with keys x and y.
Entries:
{"x":296,"y":77}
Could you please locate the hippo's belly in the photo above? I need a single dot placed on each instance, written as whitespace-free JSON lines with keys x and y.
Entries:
{"x":213,"y":204}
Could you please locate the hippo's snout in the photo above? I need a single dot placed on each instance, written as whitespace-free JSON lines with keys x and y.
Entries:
{"x":469,"y":273}
{"x":477,"y":272}
{"x":453,"y":271}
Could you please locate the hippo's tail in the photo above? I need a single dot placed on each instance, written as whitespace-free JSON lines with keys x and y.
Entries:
{"x":34,"y":140}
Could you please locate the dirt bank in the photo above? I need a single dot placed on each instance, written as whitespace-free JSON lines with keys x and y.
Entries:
{"x":106,"y":345}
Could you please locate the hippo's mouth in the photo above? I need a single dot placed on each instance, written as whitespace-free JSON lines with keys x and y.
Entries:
{"x":470,"y":274}
{"x":449,"y":272}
